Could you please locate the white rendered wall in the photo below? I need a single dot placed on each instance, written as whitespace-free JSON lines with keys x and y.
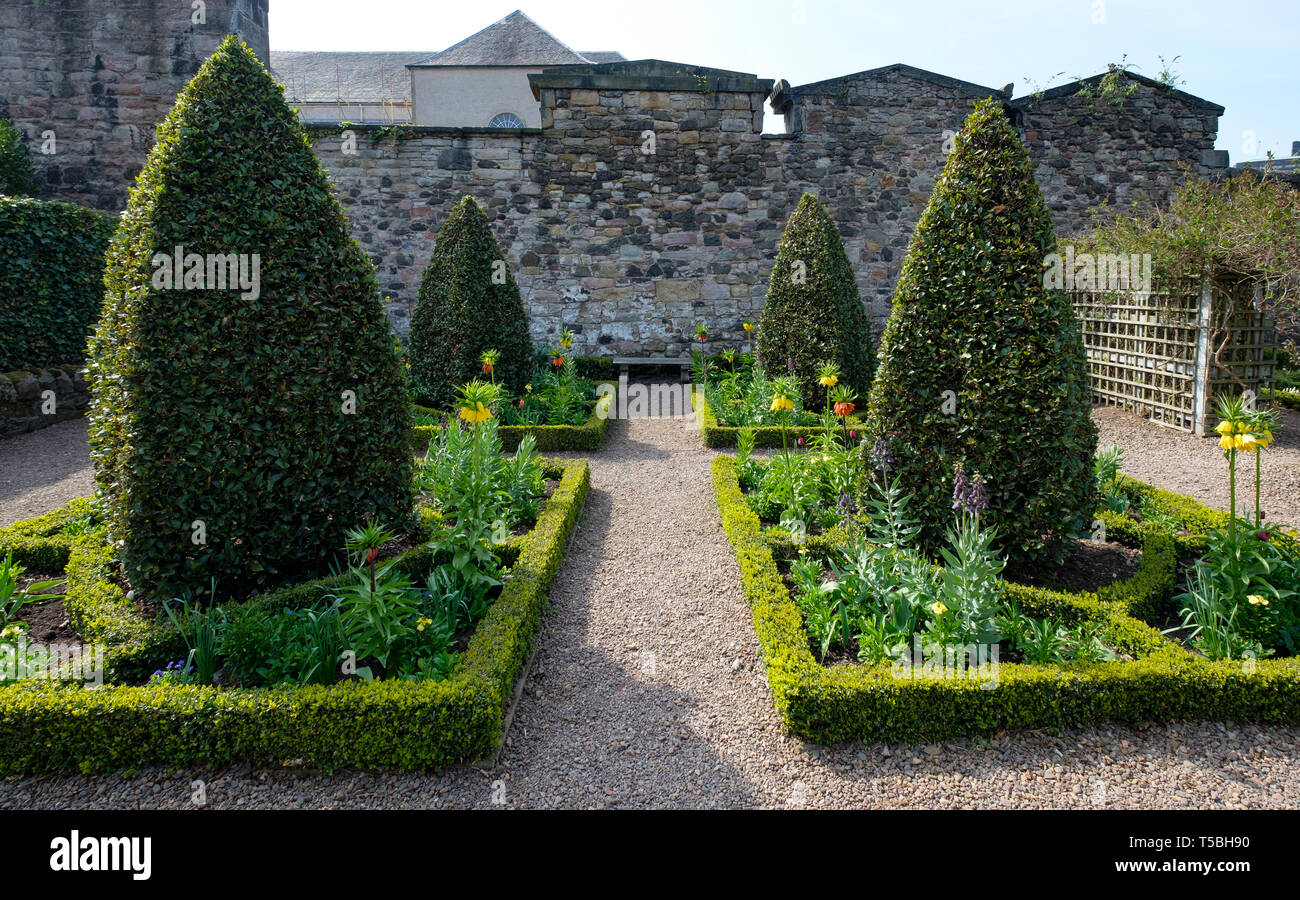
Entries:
{"x":469,"y":97}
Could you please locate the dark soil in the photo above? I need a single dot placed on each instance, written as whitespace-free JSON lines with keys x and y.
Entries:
{"x":47,"y":623}
{"x":1088,"y":566}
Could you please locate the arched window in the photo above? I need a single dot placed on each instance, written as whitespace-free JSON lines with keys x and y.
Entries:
{"x":506,"y":120}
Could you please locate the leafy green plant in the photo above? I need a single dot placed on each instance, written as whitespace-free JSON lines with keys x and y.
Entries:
{"x":52,"y":284}
{"x":1212,"y":616}
{"x":1105,"y":469}
{"x":236,"y":430}
{"x":378,"y":611}
{"x":468,"y":303}
{"x":13,"y":600}
{"x":1112,"y":91}
{"x":979,"y":362}
{"x":203,"y":631}
{"x":814,"y":313}
{"x":17,"y":177}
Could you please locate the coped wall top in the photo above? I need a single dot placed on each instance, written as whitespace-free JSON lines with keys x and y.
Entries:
{"x":648,"y":75}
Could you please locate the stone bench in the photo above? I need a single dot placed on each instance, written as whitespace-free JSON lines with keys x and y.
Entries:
{"x":624,"y":363}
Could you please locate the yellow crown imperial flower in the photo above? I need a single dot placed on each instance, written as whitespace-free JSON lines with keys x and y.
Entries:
{"x":1227,"y":442}
{"x":1224,"y":427}
{"x":1247,"y":442}
{"x":1264,"y":438}
{"x":479,"y":413}
{"x":781,"y":403}
{"x":748,"y":325}
{"x":828,"y":381}
{"x":1257,"y":600}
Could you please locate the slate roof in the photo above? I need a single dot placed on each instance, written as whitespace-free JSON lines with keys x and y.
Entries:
{"x":516,"y":40}
{"x":315,"y":75}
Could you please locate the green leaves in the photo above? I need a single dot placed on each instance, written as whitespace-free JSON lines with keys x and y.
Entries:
{"x":276,"y":417}
{"x":979,"y":364}
{"x":469,"y":303}
{"x":813,"y":312}
{"x":17,"y":177}
{"x":51,"y":283}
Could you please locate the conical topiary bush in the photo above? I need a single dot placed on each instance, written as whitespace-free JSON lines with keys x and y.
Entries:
{"x":469,"y":302}
{"x":813,"y":313}
{"x":238,"y":429}
{"x":971,"y":316}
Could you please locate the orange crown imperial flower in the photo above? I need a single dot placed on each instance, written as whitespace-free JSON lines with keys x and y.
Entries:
{"x":844,"y":408}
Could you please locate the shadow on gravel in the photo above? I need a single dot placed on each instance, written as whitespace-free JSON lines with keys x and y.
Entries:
{"x":37,"y":459}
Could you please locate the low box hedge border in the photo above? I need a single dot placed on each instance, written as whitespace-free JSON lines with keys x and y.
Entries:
{"x":42,"y":544}
{"x":48,"y":727}
{"x":846,"y":702}
{"x":1282,"y":397}
{"x":590,"y":435}
{"x":718,"y":437}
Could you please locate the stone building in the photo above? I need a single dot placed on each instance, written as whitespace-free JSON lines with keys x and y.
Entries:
{"x":482,"y":80}
{"x":647,"y":199}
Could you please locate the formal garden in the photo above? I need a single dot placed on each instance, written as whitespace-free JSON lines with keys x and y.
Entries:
{"x":310,"y":543}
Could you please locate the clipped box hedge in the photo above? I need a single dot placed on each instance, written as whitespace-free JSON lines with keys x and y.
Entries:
{"x":1165,"y":682}
{"x":717,"y":436}
{"x":1282,"y":397}
{"x":397,"y":724}
{"x":550,"y":438}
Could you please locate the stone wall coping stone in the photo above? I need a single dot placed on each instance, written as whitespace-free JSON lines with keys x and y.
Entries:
{"x":318,"y":130}
{"x":1072,"y":88}
{"x":825,"y":87}
{"x":648,"y":75}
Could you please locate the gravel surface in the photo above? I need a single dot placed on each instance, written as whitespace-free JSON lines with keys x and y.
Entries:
{"x":42,"y":470}
{"x":646,"y":692}
{"x":1185,"y":464}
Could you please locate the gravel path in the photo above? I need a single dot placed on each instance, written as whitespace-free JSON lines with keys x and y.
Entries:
{"x":42,"y":470}
{"x":646,"y":692}
{"x":1185,"y":464}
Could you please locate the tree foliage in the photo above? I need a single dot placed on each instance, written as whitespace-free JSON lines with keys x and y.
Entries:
{"x":237,"y":432}
{"x":971,"y":317}
{"x":469,"y":302}
{"x":813,"y":313}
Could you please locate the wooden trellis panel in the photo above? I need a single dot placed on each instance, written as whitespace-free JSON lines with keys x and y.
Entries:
{"x":1150,"y":352}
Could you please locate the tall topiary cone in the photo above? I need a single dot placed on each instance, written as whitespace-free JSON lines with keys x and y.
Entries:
{"x":237,"y":432}
{"x":814,"y":313}
{"x":971,"y":316}
{"x":469,"y":302}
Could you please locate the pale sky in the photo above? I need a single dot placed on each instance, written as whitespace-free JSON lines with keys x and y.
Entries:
{"x":1241,"y":55}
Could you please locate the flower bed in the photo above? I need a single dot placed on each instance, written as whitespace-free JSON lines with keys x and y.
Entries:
{"x":590,"y":435}
{"x":716,"y":436}
{"x":1160,"y":680}
{"x":383,"y":723}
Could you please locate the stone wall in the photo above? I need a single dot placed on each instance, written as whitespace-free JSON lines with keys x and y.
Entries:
{"x":98,"y":75}
{"x":1130,"y":157}
{"x":628,"y":241}
{"x":631,"y":244}
{"x":25,"y":404}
